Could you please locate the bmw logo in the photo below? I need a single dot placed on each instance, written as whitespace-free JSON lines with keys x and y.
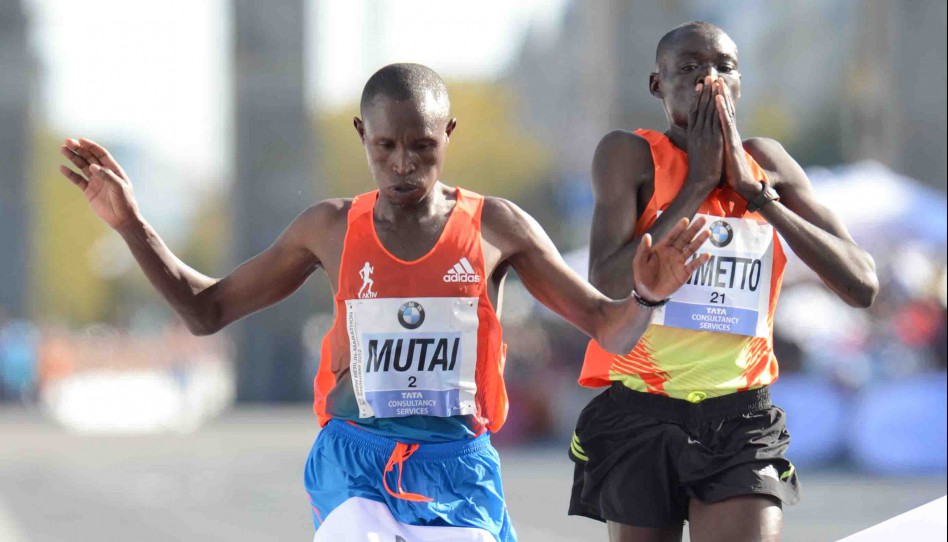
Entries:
{"x":411,"y":315}
{"x":721,"y":234}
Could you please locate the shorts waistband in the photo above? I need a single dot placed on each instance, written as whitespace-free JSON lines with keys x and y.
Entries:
{"x":431,"y":451}
{"x":680,"y":410}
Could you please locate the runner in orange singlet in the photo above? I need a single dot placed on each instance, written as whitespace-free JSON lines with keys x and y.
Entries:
{"x":686,"y":429}
{"x":410,"y":383}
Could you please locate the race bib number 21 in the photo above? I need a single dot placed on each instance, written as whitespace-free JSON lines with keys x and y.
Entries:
{"x":731,"y":292}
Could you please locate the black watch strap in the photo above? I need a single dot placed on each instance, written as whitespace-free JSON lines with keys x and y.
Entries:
{"x":767,"y":195}
{"x":646,"y":304}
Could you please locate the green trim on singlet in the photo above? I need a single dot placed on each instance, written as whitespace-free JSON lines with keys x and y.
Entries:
{"x":699,"y":363}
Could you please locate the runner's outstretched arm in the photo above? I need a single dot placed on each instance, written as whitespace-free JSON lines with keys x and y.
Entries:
{"x":660,"y":269}
{"x":814,"y":233}
{"x":205,"y":304}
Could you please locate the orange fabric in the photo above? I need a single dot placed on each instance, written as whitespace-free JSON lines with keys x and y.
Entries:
{"x":600,"y":367}
{"x":424,"y":277}
{"x":400,"y":454}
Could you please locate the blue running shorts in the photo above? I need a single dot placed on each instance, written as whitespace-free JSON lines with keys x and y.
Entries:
{"x":361,"y":484}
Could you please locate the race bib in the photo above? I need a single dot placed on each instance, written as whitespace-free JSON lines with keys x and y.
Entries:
{"x":413,"y":356}
{"x":731,"y":292}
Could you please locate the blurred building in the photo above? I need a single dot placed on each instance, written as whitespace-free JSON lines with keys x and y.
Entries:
{"x":272,"y":150}
{"x":16,"y":72}
{"x":593,"y":77}
{"x":915,"y":74}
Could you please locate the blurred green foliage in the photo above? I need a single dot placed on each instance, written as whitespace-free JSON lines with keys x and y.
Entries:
{"x":65,"y":287}
{"x":489,"y":152}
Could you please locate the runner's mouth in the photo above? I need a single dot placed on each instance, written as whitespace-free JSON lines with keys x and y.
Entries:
{"x":405,"y":188}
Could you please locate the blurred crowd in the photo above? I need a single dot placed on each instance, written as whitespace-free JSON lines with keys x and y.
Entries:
{"x":903,"y":333}
{"x":104,"y":379}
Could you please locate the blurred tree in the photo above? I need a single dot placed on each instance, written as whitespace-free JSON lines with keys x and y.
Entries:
{"x":82,"y":272}
{"x":206,"y":247}
{"x":490,"y":152}
{"x":820,"y":142}
{"x":65,"y":286}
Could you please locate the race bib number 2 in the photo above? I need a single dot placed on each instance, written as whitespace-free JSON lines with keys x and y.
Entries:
{"x":731,"y":292}
{"x":413,"y":357}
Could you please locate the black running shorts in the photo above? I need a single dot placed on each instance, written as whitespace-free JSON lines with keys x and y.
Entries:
{"x":640,"y":457}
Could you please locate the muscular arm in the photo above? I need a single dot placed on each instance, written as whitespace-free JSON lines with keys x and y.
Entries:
{"x":621,"y":165}
{"x":811,"y":229}
{"x":208,"y":304}
{"x":814,"y":233}
{"x":616,"y":325}
{"x":205,"y":304}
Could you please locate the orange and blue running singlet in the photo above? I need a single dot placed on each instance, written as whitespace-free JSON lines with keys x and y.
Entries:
{"x":715,"y":336}
{"x":415,"y":352}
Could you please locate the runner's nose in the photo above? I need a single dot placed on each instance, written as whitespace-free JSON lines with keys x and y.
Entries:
{"x":706,"y":71}
{"x":402,"y":164}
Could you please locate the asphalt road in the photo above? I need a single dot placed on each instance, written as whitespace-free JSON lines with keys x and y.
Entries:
{"x":240,"y":479}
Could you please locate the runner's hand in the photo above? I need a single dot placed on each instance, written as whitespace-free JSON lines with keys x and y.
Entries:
{"x":104,"y":183}
{"x":737,"y":171}
{"x":705,"y":139}
{"x":662,"y":268}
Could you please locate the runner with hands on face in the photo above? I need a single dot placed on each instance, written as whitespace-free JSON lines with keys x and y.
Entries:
{"x":686,"y":430}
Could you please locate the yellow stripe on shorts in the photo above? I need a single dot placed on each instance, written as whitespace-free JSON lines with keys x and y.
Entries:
{"x":577,"y":449}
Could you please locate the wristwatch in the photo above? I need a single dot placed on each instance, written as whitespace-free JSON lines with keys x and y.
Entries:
{"x":767,"y":194}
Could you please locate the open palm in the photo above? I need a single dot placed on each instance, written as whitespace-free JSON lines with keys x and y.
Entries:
{"x":102,"y":181}
{"x":661,"y":269}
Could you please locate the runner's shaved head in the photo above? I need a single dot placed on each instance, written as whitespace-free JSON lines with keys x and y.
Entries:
{"x":403,"y":82}
{"x":677,"y":36}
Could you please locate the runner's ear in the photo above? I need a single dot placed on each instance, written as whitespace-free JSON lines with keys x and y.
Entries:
{"x":655,"y":85}
{"x":360,"y":127}
{"x":452,"y":124}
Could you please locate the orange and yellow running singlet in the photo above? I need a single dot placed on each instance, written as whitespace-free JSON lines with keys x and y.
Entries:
{"x":415,"y":352}
{"x":715,"y":336}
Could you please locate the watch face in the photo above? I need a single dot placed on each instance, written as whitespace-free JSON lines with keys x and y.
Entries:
{"x":767,"y":194}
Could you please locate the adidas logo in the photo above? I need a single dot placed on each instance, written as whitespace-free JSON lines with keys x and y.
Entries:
{"x":462,"y":272}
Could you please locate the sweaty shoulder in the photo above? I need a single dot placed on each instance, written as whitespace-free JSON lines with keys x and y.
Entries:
{"x":622,"y":162}
{"x":322,"y":226}
{"x":506,"y":226}
{"x":326,"y":213}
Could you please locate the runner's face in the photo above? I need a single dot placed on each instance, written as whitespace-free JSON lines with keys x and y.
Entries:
{"x":405,"y":143}
{"x":695,"y":56}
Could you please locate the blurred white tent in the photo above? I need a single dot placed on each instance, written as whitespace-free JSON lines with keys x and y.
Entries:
{"x":880,"y":206}
{"x":899,"y":220}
